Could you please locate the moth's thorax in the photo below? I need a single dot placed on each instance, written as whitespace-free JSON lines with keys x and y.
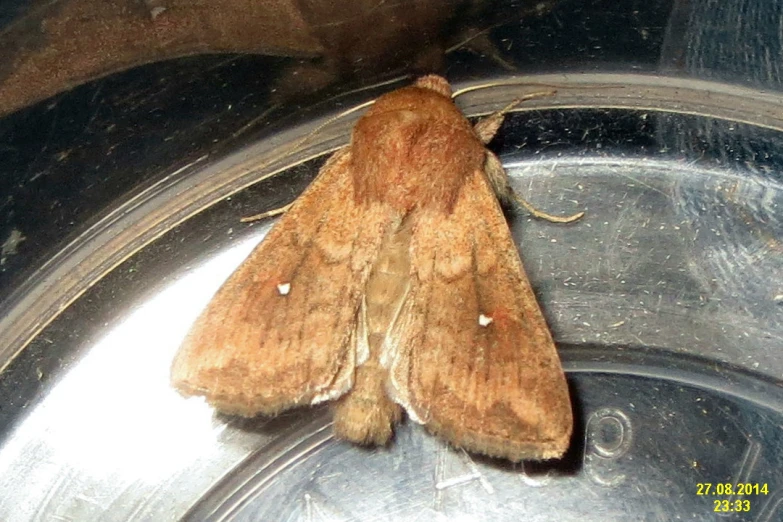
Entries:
{"x":414,"y":148}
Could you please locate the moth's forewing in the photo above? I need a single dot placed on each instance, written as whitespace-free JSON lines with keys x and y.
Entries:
{"x":477,"y":362}
{"x":278,"y":332}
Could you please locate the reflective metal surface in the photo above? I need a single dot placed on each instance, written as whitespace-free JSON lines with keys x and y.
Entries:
{"x":666,"y":300}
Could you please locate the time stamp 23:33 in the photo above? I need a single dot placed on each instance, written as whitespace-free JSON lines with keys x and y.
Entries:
{"x":721,"y":489}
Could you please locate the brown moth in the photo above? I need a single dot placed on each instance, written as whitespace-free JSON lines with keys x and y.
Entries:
{"x":392,"y":283}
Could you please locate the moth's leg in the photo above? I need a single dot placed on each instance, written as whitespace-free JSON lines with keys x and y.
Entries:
{"x":487,"y":127}
{"x":499,"y":180}
{"x":494,"y":170}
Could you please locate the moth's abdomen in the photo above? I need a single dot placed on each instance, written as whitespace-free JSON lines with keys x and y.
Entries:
{"x":366,"y":414}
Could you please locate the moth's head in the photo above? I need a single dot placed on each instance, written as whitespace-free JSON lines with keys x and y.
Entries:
{"x":436,"y":83}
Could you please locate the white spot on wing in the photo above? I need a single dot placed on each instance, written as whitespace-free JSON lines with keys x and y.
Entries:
{"x":484,"y":320}
{"x":156,"y":12}
{"x":284,"y":288}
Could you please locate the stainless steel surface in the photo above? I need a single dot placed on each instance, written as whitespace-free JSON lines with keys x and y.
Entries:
{"x":666,"y":300}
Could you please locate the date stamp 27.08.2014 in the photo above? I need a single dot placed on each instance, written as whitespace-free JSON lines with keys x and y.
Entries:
{"x":729,"y":497}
